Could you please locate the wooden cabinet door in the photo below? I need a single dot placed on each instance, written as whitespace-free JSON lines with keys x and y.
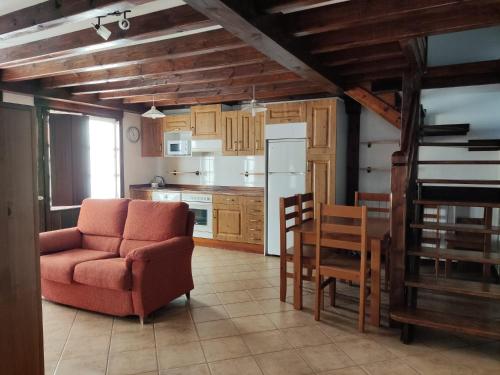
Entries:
{"x":282,"y":113}
{"x":260,"y":141}
{"x":246,"y":133}
{"x":230,"y":133}
{"x":152,"y":137}
{"x":321,"y":179}
{"x":254,"y":219}
{"x":205,"y":121}
{"x":177,"y":123}
{"x":21,"y":341}
{"x":141,"y":194}
{"x":228,"y":223}
{"x":321,"y":126}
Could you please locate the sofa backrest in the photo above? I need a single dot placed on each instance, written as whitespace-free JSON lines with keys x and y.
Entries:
{"x":101,"y":223}
{"x":149,"y":222}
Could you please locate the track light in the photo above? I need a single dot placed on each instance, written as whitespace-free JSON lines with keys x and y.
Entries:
{"x":124,"y":23}
{"x":104,"y":32}
{"x":101,"y":30}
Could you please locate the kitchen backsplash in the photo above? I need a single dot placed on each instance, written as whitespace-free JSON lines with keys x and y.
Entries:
{"x":215,"y":170}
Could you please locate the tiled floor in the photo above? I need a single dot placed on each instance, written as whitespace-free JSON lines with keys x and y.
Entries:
{"x":235,"y":324}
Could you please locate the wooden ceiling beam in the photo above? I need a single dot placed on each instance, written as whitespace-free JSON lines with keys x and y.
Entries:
{"x":287,"y":6}
{"x":157,"y":24}
{"x":377,"y":105}
{"x":359,"y":13}
{"x":265,"y":33}
{"x":49,"y":14}
{"x":415,"y":51}
{"x":434,"y":21}
{"x":191,"y":45}
{"x":373,"y":66}
{"x":238,"y":82}
{"x":217,"y":60}
{"x":363,"y":54}
{"x":172,"y":79}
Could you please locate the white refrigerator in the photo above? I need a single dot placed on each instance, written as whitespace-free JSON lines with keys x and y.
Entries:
{"x":286,"y":175}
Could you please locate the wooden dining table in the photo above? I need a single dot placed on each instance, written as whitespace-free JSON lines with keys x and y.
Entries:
{"x":378,"y":230}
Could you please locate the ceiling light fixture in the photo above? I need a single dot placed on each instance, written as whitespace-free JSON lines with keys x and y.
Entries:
{"x":153,"y":112}
{"x":101,"y":30}
{"x":253,"y":107}
{"x":104,"y":32}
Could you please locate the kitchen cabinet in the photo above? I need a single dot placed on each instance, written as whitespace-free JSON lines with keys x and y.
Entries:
{"x":152,"y":137}
{"x":228,"y":218}
{"x":254,"y":219}
{"x":230,"y":133}
{"x":321,"y":126}
{"x":283,"y":113}
{"x":246,"y":133}
{"x":177,"y":123}
{"x":259,"y":140}
{"x":320,"y":179}
{"x":206,"y":121}
{"x":141,"y":194}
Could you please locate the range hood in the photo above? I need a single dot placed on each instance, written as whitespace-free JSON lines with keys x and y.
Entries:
{"x":206,"y":146}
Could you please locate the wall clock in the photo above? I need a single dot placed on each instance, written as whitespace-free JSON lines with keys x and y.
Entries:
{"x":133,"y":134}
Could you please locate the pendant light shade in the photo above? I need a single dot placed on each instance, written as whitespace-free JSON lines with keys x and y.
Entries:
{"x":153,"y":112}
{"x":253,"y":107}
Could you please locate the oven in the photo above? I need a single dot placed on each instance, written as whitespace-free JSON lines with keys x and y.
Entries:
{"x":201,"y":206}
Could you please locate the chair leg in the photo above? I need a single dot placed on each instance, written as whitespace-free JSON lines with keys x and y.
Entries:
{"x":317,"y":297}
{"x":333,"y":291}
{"x":283,"y":279}
{"x":387,"y":268}
{"x":362,"y":306}
{"x":188,"y":295}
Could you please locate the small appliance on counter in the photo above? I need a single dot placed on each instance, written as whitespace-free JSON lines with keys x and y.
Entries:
{"x":157,"y":182}
{"x":177,"y":143}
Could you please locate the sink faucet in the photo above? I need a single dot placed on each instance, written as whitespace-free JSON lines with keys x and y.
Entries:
{"x":159,"y":178}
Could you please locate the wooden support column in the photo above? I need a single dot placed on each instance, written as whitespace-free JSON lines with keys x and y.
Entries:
{"x":353,"y":110}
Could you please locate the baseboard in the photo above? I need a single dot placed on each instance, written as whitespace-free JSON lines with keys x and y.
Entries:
{"x":227,"y":245}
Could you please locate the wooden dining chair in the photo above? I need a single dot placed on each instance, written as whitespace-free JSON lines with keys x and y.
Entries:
{"x":341,"y":230}
{"x":378,"y":205}
{"x":293,"y":211}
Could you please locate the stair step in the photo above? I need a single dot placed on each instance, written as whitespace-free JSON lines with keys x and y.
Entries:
{"x":469,"y":228}
{"x":471,"y":145}
{"x":459,"y":162}
{"x":463,"y":287}
{"x":444,"y":130}
{"x":454,"y":254}
{"x":448,"y":322}
{"x":457,"y":182}
{"x":432,"y":202}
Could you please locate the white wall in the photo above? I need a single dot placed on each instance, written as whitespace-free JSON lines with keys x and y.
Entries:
{"x":12,"y":97}
{"x":375,"y":128}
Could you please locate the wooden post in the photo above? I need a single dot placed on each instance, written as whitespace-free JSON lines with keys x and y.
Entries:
{"x":353,"y":111}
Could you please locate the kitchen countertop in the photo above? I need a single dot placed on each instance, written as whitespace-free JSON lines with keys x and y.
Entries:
{"x":229,"y":190}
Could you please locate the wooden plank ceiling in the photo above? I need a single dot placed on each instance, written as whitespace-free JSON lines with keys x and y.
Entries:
{"x":210,"y":51}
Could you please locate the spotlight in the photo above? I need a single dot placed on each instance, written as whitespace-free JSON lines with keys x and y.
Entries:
{"x":101,"y":30}
{"x":124,"y":23}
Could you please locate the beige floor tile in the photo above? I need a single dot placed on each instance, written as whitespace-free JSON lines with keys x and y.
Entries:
{"x":50,"y":366}
{"x":173,"y":316}
{"x":206,"y":314}
{"x":234,"y":297}
{"x":224,"y":348}
{"x":89,"y":327}
{"x":188,"y":370}
{"x":345,"y":371}
{"x":89,"y":365}
{"x":180,"y":355}
{"x":305,"y":336}
{"x":482,"y":357}
{"x":126,"y":324}
{"x":205,"y":300}
{"x":363,"y":351}
{"x":282,"y":363}
{"x":132,"y":340}
{"x":215,"y":329}
{"x":238,"y":366}
{"x":291,"y":318}
{"x":175,"y":334}
{"x":228,"y":286}
{"x":236,"y":310}
{"x":254,"y":323}
{"x":393,"y":367}
{"x":265,"y":342}
{"x":132,"y":362}
{"x":264,"y":293}
{"x":325,"y":357}
{"x":95,"y":345}
{"x":274,"y":305}
{"x":200,"y":289}
{"x":255,"y":284}
{"x":391,"y":341}
{"x":435,"y":364}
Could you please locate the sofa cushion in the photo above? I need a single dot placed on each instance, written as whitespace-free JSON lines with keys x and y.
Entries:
{"x":105,"y":273}
{"x":60,"y":266}
{"x":155,"y":221}
{"x":128,"y":245}
{"x":103,"y":243}
{"x":103,"y":217}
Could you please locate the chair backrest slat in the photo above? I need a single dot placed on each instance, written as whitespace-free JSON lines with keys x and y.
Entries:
{"x":306,"y":206}
{"x":340,"y":244}
{"x":379,"y":203}
{"x":289,"y":218}
{"x":341,"y":228}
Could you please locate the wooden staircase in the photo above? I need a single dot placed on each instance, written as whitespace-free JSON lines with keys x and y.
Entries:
{"x":458,"y":242}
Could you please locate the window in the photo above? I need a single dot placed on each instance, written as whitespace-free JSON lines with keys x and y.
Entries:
{"x":84,"y":158}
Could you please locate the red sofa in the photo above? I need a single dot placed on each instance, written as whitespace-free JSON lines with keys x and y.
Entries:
{"x":123,"y":258}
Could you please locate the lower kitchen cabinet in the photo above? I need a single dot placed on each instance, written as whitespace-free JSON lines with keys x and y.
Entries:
{"x":228,"y":222}
{"x":254,"y":219}
{"x":141,"y":194}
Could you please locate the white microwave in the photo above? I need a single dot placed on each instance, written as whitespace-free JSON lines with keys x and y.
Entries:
{"x":177,"y":143}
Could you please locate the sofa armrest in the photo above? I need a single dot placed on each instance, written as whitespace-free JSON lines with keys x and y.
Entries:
{"x":59,"y":240}
{"x":161,"y":250}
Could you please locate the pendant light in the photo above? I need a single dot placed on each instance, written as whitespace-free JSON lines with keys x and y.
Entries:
{"x":153,"y":112}
{"x":253,"y":107}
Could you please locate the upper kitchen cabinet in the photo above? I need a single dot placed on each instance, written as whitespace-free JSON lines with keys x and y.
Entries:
{"x":283,"y":113}
{"x":321,"y":126}
{"x":321,"y":178}
{"x":152,"y":137}
{"x":259,"y":140}
{"x":206,"y":121}
{"x":177,"y":123}
{"x":245,"y":133}
{"x":230,"y":133}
